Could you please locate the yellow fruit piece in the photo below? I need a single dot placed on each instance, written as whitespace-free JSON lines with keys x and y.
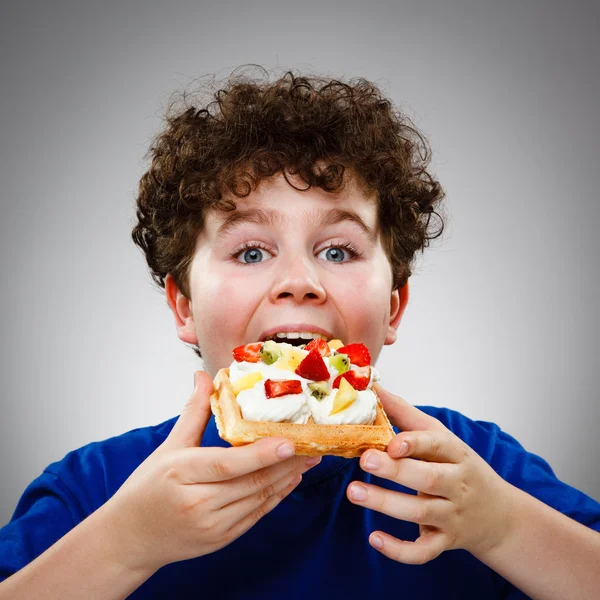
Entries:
{"x":345,"y":396}
{"x":290,"y":359}
{"x":246,"y":382}
{"x":335,"y":344}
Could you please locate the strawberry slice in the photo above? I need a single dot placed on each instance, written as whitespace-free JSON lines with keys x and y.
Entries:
{"x":313,"y":367}
{"x":249,"y":352}
{"x":320,"y":345}
{"x":358,"y":354}
{"x":357,"y":378}
{"x":282,"y":387}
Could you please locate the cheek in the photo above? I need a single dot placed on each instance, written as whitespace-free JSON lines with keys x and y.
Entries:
{"x":226,"y":303}
{"x":364,"y":299}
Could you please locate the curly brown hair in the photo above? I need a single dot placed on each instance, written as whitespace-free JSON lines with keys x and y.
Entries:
{"x":306,"y":125}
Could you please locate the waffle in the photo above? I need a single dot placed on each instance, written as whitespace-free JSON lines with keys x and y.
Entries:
{"x":310,"y":439}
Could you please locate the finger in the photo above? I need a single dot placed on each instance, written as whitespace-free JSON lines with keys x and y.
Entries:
{"x":434,"y":479}
{"x":424,"y":510}
{"x":260,"y":483}
{"x":257,"y":511}
{"x":247,"y":504}
{"x":425,"y":548}
{"x":434,"y":446}
{"x":213,"y":464}
{"x":189,"y":427}
{"x":403,"y":415}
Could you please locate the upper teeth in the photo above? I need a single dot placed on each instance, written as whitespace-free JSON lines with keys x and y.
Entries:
{"x":294,"y":335}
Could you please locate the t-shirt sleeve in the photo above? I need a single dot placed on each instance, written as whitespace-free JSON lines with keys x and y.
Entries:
{"x":535,"y":476}
{"x":46,"y":512}
{"x":525,"y":470}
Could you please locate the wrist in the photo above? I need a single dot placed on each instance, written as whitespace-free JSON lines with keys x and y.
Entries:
{"x":504,"y":513}
{"x":122,"y":544}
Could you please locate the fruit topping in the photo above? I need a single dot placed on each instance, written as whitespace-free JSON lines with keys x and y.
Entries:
{"x":340,"y":362}
{"x":359,"y":379}
{"x":319,"y":389}
{"x":291,"y":357}
{"x":313,"y":367}
{"x":320,"y":345}
{"x":249,"y":352}
{"x":270,"y":352}
{"x":345,"y":396}
{"x":358,"y":354}
{"x":282,"y":387}
{"x":335,"y":344}
{"x":246,"y":382}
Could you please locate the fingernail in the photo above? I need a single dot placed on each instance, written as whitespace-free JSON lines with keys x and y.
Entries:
{"x":358,"y":492}
{"x":311,"y":462}
{"x":373,"y":461}
{"x":195,"y":379}
{"x":285,"y":451}
{"x":403,"y":449}
{"x":376,"y":542}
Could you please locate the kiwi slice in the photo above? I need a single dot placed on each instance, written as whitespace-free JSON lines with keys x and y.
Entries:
{"x":319,"y":389}
{"x":340,"y":362}
{"x":270,"y":352}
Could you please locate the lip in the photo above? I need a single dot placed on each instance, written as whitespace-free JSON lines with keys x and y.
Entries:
{"x":299,"y":327}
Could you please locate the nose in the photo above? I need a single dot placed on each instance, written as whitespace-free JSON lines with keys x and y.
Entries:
{"x":297,"y":279}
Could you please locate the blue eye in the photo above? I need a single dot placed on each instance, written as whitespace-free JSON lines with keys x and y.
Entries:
{"x":333,"y":254}
{"x":253,"y":255}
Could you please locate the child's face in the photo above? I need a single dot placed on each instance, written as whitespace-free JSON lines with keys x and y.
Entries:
{"x":288,"y":260}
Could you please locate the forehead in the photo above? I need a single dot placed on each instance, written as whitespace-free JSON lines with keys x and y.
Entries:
{"x":280,"y":201}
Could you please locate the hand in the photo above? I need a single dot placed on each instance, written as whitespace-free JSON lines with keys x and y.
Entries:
{"x":461,"y":501}
{"x":184,"y":501}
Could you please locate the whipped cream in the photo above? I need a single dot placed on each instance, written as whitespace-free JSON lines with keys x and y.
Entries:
{"x":298,"y":408}
{"x":361,"y":412}
{"x":292,"y":408}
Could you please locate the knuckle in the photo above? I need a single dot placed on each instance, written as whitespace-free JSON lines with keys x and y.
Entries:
{"x":171,"y":473}
{"x":209,"y":523}
{"x":265,"y":493}
{"x":421,"y":512}
{"x":279,"y":496}
{"x":434,"y":478}
{"x":259,"y":479}
{"x":465,"y":452}
{"x":222,"y":469}
{"x":261,"y":511}
{"x":436,"y":445}
{"x":463,"y":489}
{"x":186,"y":504}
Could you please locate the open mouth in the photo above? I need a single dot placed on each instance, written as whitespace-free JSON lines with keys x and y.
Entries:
{"x":296,"y":338}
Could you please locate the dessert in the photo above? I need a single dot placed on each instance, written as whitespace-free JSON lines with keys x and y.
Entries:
{"x":317,"y":395}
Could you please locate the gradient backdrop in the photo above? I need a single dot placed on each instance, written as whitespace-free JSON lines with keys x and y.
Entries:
{"x":502,"y":323}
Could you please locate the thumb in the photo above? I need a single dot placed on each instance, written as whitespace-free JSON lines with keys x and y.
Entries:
{"x":189,"y":428}
{"x":405,"y":416}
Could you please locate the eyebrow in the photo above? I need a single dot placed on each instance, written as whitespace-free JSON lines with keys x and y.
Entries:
{"x":339,"y":215}
{"x":251,"y":215}
{"x":320,"y":218}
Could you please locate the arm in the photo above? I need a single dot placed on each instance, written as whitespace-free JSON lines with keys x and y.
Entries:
{"x":546,"y":554}
{"x":85,"y":563}
{"x":184,"y":501}
{"x":462,"y":502}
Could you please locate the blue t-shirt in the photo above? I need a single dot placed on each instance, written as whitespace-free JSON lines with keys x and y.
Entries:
{"x":313,"y":545}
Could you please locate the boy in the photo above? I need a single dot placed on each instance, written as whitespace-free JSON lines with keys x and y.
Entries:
{"x":295,"y":206}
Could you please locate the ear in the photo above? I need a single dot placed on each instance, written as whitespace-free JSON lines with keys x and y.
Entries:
{"x":398,"y":303}
{"x":182,"y":311}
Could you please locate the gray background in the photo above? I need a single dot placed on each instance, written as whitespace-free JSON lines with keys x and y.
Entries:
{"x":502,"y":322}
